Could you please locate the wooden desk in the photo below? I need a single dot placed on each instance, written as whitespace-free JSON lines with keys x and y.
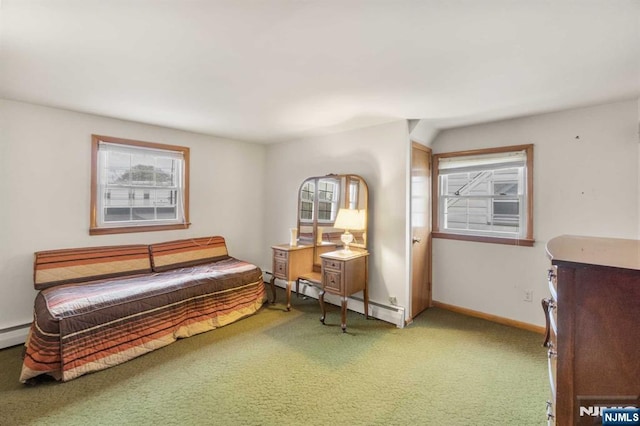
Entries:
{"x":343,"y":274}
{"x":290,"y":262}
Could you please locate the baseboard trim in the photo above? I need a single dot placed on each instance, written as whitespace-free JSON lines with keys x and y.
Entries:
{"x":387,"y":313}
{"x":13,"y":336}
{"x":489,"y":317}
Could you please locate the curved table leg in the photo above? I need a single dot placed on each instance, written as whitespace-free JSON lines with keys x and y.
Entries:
{"x":343,"y":315}
{"x":272,"y":282}
{"x":322,"y":310}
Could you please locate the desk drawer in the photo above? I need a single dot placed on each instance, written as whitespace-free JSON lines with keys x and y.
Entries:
{"x":280,"y":268}
{"x":332,"y":281}
{"x":334,"y":265}
{"x":280,"y":254}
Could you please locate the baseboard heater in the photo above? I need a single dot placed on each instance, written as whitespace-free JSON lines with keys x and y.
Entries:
{"x":388,"y":313}
{"x":12,"y":336}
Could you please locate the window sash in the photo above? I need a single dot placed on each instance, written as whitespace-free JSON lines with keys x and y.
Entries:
{"x":328,"y":201}
{"x":153,"y":210}
{"x":499,"y":193}
{"x":129,"y":213}
{"x":482,"y":220}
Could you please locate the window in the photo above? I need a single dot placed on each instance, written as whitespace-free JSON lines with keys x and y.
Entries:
{"x":328,"y":197}
{"x":306,"y":201}
{"x":328,"y":194}
{"x":485,"y":195}
{"x":138,"y":186}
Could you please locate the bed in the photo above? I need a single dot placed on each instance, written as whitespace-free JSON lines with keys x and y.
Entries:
{"x":99,"y":307}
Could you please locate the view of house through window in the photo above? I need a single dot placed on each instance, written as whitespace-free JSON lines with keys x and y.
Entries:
{"x":485,"y":193}
{"x":138,"y":184}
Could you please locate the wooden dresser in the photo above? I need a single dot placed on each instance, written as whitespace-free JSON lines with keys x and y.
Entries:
{"x":593,"y":327}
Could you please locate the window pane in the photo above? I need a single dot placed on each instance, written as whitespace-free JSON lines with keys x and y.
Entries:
{"x":140,"y":197}
{"x":324,"y":211}
{"x":143,"y":213}
{"x":117,"y":176}
{"x":306,"y":210}
{"x":506,"y":213}
{"x":505,"y":188}
{"x":164,"y":197}
{"x":506,"y":207}
{"x":307,"y":191}
{"x":167,"y":213}
{"x":117,"y":197}
{"x":117,"y":214}
{"x":142,"y":174}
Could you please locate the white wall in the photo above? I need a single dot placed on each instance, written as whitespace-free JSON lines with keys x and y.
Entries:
{"x":45,"y":188}
{"x":380,"y":155}
{"x":248,"y":193}
{"x":585,"y":183}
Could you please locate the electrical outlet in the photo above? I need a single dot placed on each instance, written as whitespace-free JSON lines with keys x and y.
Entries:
{"x":393,"y":300}
{"x":528,"y":295}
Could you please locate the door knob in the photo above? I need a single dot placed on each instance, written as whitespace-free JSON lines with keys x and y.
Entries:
{"x":416,"y":240}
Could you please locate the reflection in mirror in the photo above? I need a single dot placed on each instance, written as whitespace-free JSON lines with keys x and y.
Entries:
{"x":320,"y":198}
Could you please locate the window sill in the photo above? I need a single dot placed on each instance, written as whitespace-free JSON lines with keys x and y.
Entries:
{"x":130,"y":229}
{"x":525,"y":242}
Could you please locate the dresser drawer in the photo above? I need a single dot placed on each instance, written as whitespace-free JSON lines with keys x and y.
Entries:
{"x":334,"y":265}
{"x":332,"y":281}
{"x":280,"y":268}
{"x":280,"y":254}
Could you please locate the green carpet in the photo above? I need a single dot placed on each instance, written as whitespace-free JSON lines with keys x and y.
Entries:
{"x":285,"y":368}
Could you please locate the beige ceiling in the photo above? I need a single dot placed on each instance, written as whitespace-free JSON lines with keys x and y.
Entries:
{"x":276,"y":70}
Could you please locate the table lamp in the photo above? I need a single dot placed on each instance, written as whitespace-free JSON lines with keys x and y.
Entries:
{"x":349,"y":219}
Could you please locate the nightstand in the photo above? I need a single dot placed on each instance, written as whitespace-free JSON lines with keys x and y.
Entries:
{"x":343,"y":274}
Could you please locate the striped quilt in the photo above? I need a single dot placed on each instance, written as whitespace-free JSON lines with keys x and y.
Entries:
{"x":80,"y":328}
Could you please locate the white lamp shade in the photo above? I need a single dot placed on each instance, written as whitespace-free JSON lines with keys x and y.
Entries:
{"x":350,"y":219}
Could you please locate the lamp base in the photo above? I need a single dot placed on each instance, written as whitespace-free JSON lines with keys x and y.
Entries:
{"x":346,"y":239}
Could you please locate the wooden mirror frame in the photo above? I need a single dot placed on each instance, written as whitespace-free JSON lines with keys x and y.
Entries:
{"x":353,"y":193}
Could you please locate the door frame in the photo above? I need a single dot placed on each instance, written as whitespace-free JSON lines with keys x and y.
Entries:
{"x":429,"y":254}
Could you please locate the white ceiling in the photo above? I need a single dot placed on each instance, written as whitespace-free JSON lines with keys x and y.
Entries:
{"x":276,"y":70}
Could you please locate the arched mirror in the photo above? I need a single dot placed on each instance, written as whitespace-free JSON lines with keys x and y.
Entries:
{"x":320,"y":201}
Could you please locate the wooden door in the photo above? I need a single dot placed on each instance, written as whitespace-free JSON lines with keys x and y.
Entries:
{"x":420,"y":228}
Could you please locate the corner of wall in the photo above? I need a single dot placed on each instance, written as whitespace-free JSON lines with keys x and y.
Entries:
{"x":422,"y":131}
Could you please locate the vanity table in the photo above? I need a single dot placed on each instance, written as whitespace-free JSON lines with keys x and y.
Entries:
{"x":344,"y":273}
{"x":315,"y":259}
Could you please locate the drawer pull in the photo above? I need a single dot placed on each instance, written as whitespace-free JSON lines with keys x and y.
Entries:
{"x":552,"y":380}
{"x":552,"y":319}
{"x":550,"y":411}
{"x":551,"y":274}
{"x":552,"y":286}
{"x":547,"y":332}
